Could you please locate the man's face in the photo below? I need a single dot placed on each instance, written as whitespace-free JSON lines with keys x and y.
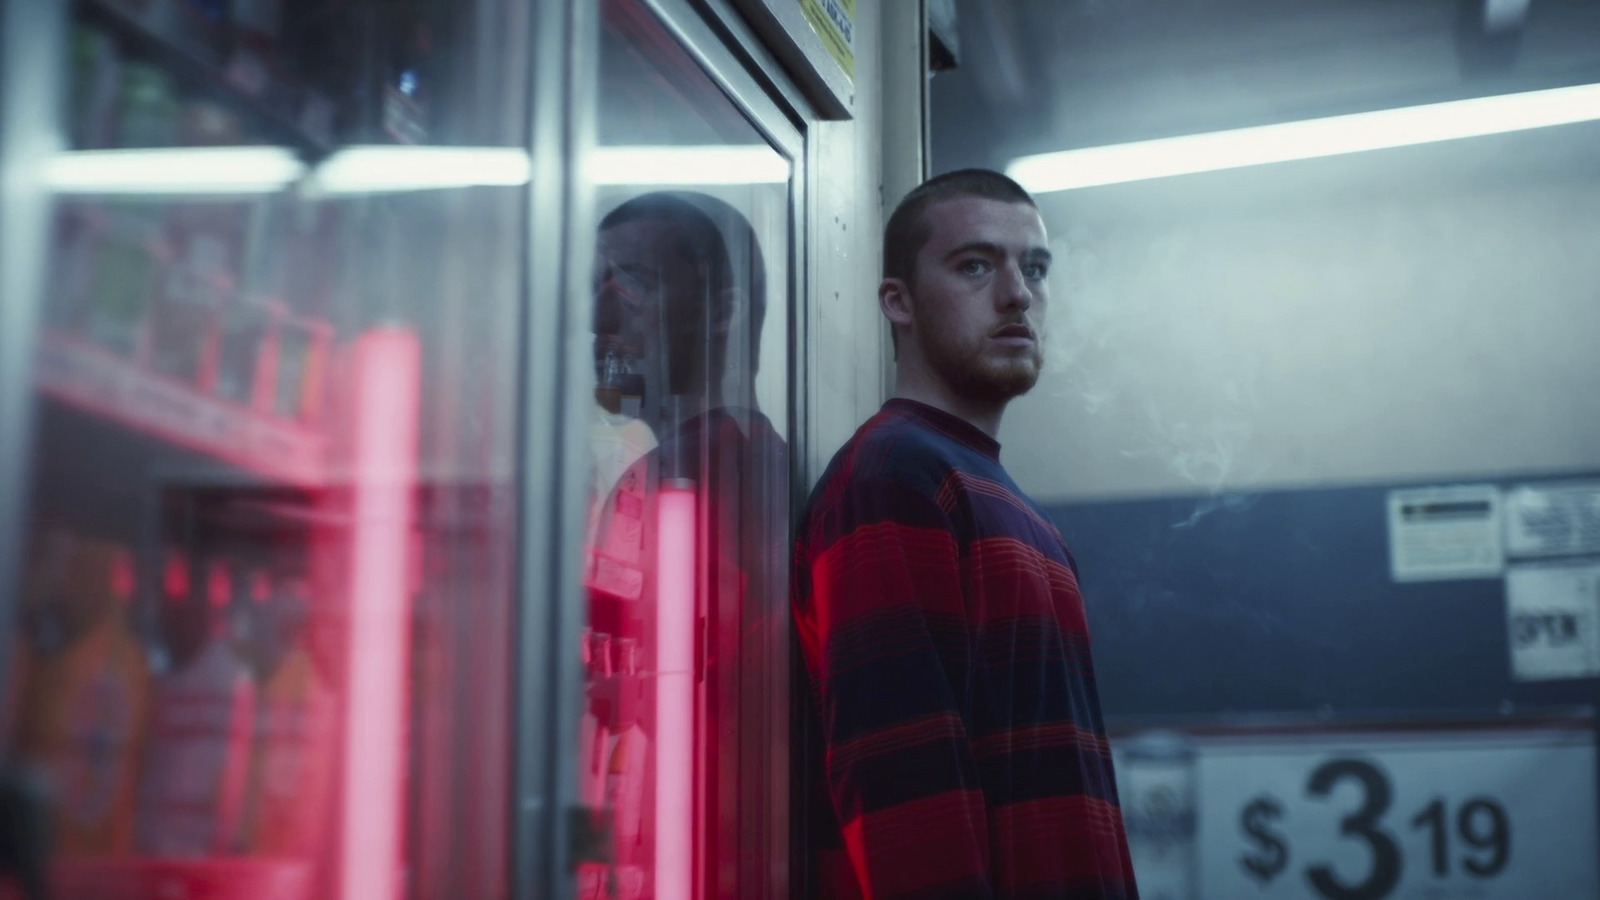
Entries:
{"x":648,"y":296}
{"x":979,"y":296}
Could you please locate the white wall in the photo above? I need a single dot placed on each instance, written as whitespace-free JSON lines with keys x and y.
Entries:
{"x":1127,"y":69}
{"x":1430,"y":313}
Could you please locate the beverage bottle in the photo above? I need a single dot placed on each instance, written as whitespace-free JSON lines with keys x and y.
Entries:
{"x":122,"y":244}
{"x":176,"y":633}
{"x":625,"y":775}
{"x":73,"y":253}
{"x":200,"y":281}
{"x":123,"y":254}
{"x":85,"y":710}
{"x":148,"y":110}
{"x":191,"y":801}
{"x":291,"y":774}
{"x":408,"y":82}
{"x":244,"y":328}
{"x":304,"y":241}
{"x":301,"y":369}
{"x":96,"y":82}
{"x":598,"y":733}
{"x":589,"y":731}
{"x":243,"y":360}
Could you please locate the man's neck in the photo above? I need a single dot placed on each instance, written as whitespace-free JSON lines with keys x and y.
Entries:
{"x":934,"y":392}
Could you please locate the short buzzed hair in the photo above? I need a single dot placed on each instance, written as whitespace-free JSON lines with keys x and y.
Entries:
{"x":695,"y":219}
{"x":713,"y":234}
{"x":908,"y":228}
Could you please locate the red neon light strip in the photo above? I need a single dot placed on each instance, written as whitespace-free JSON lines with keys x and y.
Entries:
{"x":675,"y":775}
{"x":387,"y":388}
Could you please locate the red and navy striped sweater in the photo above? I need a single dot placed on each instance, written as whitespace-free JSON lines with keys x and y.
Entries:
{"x":958,"y":732}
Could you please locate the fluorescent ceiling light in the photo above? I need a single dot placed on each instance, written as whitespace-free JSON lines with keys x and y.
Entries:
{"x":387,"y":169}
{"x":176,"y":170}
{"x":1068,"y":169}
{"x":687,"y":165}
{"x":381,"y":169}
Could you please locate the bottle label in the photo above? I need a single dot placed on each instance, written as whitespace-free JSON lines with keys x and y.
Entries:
{"x":100,"y":737}
{"x":295,"y":734}
{"x":200,"y":742}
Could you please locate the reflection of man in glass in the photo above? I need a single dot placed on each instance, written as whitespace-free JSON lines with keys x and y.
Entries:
{"x":680,"y":299}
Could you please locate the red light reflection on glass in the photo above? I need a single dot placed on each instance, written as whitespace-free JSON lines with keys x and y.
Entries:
{"x":176,"y":579}
{"x":675,"y":775}
{"x":386,"y":381}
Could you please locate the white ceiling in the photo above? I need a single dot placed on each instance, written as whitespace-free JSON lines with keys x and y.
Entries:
{"x":1087,"y":72}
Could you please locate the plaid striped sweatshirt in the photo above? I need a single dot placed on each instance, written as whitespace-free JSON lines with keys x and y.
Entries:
{"x":957,"y":747}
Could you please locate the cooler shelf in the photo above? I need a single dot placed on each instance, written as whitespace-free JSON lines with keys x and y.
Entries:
{"x":88,"y":378}
{"x":221,"y":878}
{"x":291,"y":113}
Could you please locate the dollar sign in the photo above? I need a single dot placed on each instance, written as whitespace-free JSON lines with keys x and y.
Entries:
{"x":1273,"y":854}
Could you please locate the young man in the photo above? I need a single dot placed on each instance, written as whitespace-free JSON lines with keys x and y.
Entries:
{"x":959,"y":740}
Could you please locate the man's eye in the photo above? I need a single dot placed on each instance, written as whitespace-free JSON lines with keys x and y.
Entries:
{"x":974,"y":267}
{"x":1035,"y":271}
{"x":631,"y":281}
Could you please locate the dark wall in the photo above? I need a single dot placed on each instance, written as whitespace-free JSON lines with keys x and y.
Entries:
{"x":1282,"y":602}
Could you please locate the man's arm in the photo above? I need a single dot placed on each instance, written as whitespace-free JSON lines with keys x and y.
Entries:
{"x":884,"y":629}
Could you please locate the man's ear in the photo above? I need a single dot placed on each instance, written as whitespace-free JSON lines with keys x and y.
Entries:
{"x":894,"y":299}
{"x":724,"y":305}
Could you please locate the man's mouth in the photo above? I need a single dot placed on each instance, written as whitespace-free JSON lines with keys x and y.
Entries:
{"x":1015,"y":332}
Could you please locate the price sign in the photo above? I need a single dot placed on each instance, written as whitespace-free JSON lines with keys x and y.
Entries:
{"x":1501,"y":815}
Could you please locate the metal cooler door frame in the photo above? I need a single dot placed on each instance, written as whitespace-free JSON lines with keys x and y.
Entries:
{"x":551,"y":429}
{"x":550,"y":668}
{"x":32,"y":63}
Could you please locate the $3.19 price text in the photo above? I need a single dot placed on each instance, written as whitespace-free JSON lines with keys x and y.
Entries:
{"x":1471,"y":836}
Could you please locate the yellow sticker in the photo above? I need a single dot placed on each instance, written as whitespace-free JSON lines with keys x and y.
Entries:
{"x":835,"y":22}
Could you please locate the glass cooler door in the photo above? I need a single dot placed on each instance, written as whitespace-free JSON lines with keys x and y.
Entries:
{"x":684,"y":738}
{"x":265,"y":619}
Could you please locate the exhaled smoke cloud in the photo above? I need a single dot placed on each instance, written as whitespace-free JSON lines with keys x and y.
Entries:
{"x":1145,"y":369}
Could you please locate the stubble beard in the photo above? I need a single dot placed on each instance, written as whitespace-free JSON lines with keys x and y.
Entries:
{"x":984,"y":377}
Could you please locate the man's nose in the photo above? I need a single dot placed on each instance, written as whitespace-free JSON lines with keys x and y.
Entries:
{"x":1016,"y":292}
{"x":610,"y":309}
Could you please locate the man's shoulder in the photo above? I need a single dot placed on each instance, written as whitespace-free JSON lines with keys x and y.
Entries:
{"x":888,"y":453}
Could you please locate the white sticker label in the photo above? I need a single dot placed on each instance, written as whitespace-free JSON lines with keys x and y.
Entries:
{"x":1445,"y":532}
{"x":1553,"y":519}
{"x":1553,"y":620}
